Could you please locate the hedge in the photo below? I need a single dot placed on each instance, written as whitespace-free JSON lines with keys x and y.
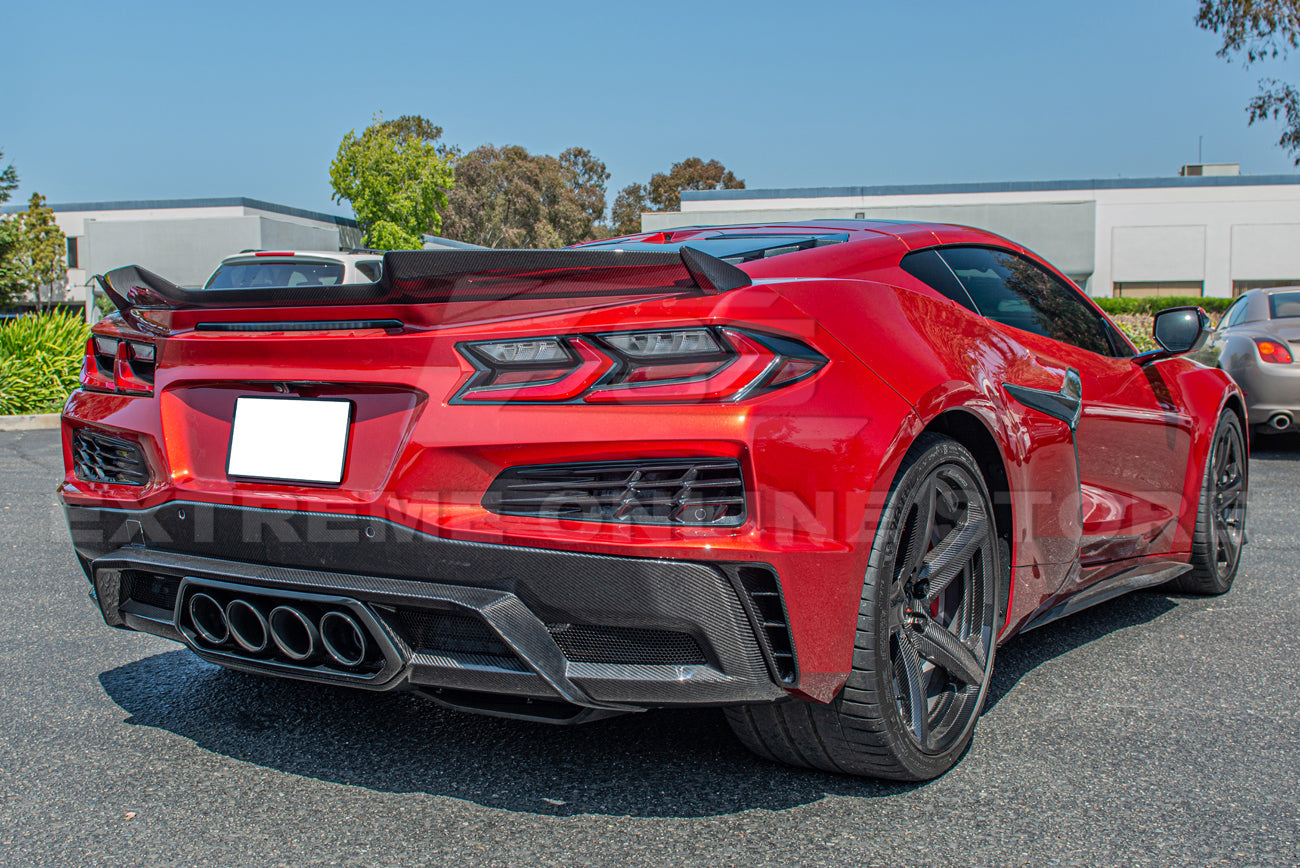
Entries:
{"x":40,"y":361}
{"x":1150,"y":304}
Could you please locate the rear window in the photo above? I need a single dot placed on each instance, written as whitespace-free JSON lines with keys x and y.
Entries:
{"x":250,"y":275}
{"x":1283,"y":304}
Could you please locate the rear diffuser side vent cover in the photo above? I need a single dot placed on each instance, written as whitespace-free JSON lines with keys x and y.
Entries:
{"x":100,"y":458}
{"x":673,"y":491}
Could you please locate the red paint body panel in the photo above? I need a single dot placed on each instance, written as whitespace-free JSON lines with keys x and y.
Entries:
{"x":818,"y":457}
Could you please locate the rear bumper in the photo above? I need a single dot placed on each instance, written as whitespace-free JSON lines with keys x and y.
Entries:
{"x":551,"y":635}
{"x":1269,"y":389}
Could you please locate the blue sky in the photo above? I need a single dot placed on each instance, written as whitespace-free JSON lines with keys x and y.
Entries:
{"x":174,"y":100}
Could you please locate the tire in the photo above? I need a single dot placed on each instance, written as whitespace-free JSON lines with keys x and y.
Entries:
{"x":1221,"y":515}
{"x":926,"y":635}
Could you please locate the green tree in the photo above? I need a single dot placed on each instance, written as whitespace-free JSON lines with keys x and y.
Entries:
{"x":8,"y":233}
{"x":1257,"y":30}
{"x":507,"y":197}
{"x":664,"y":192}
{"x":8,"y":181}
{"x":36,"y":256}
{"x":396,"y":176}
{"x":628,"y":206}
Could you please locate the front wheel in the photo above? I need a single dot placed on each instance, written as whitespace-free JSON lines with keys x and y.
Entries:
{"x":926,"y":636}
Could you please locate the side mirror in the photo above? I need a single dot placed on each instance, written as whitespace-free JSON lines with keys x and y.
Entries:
{"x":1179,"y":330}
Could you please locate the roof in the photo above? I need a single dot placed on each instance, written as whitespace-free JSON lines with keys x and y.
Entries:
{"x":991,"y":187}
{"x":164,"y":204}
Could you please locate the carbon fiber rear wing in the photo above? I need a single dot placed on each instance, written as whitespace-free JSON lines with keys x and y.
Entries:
{"x":445,"y":276}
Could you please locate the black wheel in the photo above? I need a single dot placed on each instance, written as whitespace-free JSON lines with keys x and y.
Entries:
{"x":1221,"y":517}
{"x":926,"y":633}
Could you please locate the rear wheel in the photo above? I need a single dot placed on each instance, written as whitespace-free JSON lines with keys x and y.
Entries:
{"x":1221,"y":516}
{"x":924,"y":647}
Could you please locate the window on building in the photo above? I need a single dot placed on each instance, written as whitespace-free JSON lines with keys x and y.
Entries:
{"x":72,"y":252}
{"x":1159,"y":288}
{"x":1012,"y":290}
{"x":1240,"y":286}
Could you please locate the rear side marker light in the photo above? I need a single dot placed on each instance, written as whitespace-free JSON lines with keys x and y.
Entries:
{"x":1273,"y":351}
{"x":651,"y":366}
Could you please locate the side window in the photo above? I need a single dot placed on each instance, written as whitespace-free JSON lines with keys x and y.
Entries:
{"x":1235,"y":313}
{"x":929,"y":268}
{"x":371,"y":269}
{"x":1012,"y":290}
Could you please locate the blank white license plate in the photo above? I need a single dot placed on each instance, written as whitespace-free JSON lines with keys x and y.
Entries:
{"x":290,"y":439}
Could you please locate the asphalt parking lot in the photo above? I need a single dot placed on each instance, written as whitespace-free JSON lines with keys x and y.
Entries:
{"x":1153,"y":730}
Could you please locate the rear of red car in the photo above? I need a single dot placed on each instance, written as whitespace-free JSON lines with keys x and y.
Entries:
{"x":557,"y":486}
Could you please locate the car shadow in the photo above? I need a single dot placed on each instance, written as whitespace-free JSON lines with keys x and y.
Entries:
{"x":1026,"y":652}
{"x":656,"y":764}
{"x":1275,"y":447}
{"x":680,"y":763}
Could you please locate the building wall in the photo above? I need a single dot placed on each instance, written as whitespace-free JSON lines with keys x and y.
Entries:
{"x":187,"y":251}
{"x":1063,"y":232}
{"x":184,"y":240}
{"x":1206,"y":231}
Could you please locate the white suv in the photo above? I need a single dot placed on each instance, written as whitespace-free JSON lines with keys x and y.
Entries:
{"x":254,"y":268}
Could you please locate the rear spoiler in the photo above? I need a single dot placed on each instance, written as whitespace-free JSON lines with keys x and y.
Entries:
{"x":443,"y":276}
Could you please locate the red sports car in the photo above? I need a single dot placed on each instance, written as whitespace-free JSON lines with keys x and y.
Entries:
{"x":813,"y":474}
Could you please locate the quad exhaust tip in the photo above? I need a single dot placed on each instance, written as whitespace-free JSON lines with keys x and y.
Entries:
{"x":343,"y":638}
{"x":209,"y":619}
{"x":337,"y":637}
{"x":248,"y":626}
{"x":293,"y":633}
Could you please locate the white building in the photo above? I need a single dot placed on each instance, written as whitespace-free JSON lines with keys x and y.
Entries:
{"x":1208,"y":232}
{"x":184,"y":239}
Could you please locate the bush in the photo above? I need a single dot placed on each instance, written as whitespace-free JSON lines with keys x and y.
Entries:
{"x":40,"y":361}
{"x":1150,"y":304}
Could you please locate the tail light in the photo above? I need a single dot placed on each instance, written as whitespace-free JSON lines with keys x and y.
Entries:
{"x":654,"y":366}
{"x":115,"y":365}
{"x":1273,"y":351}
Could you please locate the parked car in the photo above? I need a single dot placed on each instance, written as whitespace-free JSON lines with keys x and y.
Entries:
{"x":266,"y":268}
{"x":811,"y":473}
{"x":1256,"y":342}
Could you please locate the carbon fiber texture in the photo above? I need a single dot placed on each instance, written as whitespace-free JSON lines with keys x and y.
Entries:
{"x":434,"y":276}
{"x":517,"y":590}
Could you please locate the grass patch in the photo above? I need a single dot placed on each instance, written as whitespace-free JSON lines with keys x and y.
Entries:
{"x":40,"y":361}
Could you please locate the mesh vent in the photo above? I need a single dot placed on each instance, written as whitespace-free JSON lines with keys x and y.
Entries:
{"x":585,"y":643}
{"x":765,"y":595}
{"x":458,"y":635}
{"x":151,"y":590}
{"x":100,"y":458}
{"x":686,"y":491}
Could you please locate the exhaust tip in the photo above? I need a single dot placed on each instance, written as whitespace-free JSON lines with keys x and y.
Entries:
{"x":248,"y":626}
{"x":209,"y":619}
{"x":343,"y":638}
{"x":293,"y":633}
{"x":1280,"y":421}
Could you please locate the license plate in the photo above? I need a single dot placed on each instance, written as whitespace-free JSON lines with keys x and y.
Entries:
{"x":290,"y":439}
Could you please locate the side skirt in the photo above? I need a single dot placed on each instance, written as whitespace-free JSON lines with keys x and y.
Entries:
{"x":1146,"y":575}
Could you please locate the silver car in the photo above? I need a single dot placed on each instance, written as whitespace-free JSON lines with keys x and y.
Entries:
{"x":1257,"y":342}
